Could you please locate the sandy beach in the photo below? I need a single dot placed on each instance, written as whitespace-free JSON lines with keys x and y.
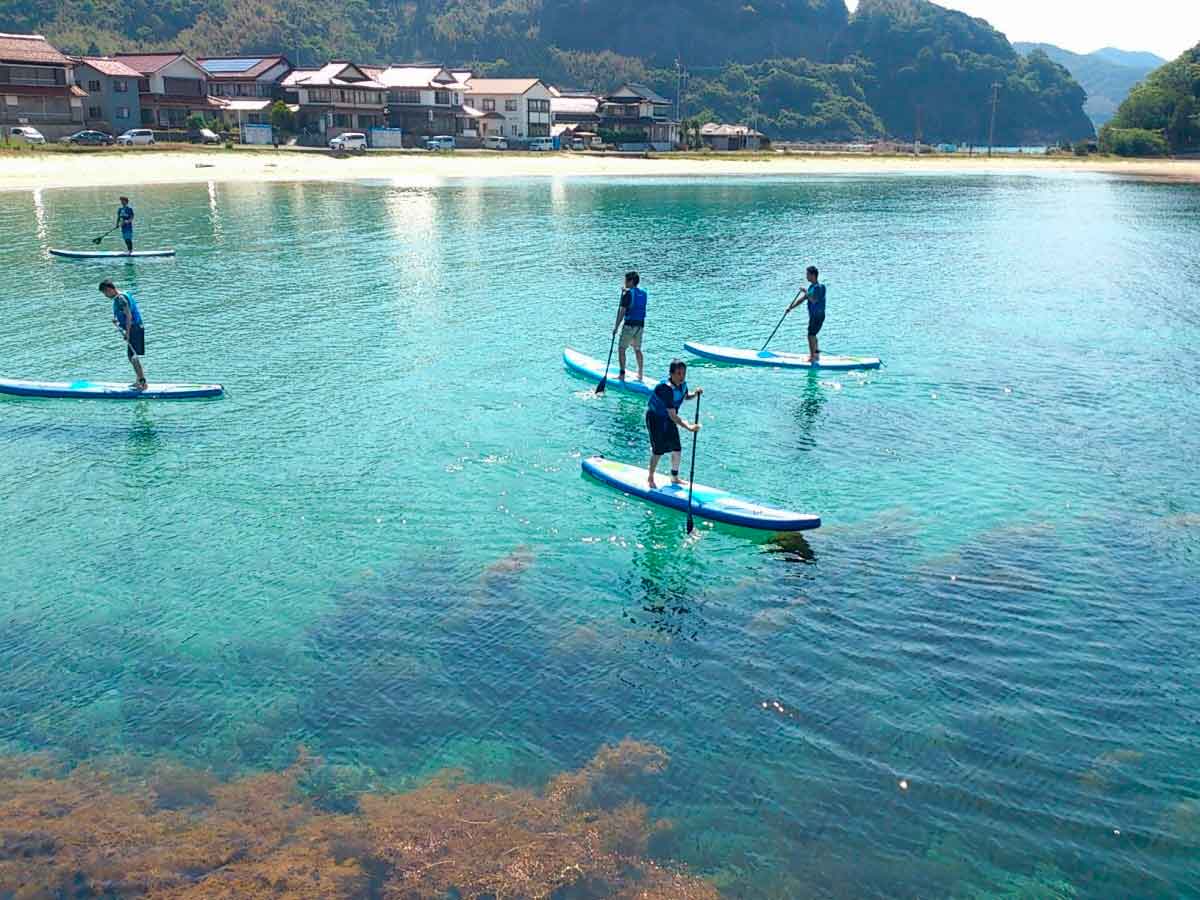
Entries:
{"x":29,"y":171}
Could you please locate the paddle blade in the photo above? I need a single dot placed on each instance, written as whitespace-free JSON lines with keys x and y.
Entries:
{"x":602,"y":385}
{"x":691,"y":526}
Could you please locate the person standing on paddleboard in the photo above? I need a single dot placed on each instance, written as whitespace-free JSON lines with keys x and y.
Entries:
{"x":125,"y":221}
{"x":632,"y":313}
{"x":814,"y":296}
{"x":128,"y":319}
{"x":663,"y":420}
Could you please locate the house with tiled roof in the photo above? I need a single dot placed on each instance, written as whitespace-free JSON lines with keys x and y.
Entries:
{"x":424,"y":101}
{"x":112,"y":102}
{"x":513,"y":108}
{"x":247,"y":85}
{"x":37,"y":87}
{"x":171,"y":87}
{"x":338,"y":97}
{"x":636,"y":115}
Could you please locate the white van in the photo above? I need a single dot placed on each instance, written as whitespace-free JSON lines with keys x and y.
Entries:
{"x":139,"y":136}
{"x":495,"y":142}
{"x":24,"y":134}
{"x":351,"y":140}
{"x":541,"y":145}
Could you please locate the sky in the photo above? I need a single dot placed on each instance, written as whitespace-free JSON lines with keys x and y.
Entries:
{"x":1165,"y":27}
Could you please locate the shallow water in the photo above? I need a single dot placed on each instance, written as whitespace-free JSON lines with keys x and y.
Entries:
{"x":379,"y":544}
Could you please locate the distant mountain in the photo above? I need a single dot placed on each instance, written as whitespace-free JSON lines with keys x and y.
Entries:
{"x":1133,"y":59}
{"x":804,"y":69}
{"x":1107,"y":75}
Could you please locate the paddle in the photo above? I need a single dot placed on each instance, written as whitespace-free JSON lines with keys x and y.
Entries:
{"x":604,"y":381}
{"x":97,"y":240}
{"x":785,"y":315}
{"x":691,"y":523}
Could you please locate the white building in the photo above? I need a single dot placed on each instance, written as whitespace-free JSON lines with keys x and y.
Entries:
{"x":337,"y":97}
{"x":514,"y":108}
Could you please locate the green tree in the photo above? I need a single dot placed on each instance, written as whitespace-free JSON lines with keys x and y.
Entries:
{"x":283,"y":120}
{"x":195,"y":122}
{"x":1184,"y":131}
{"x":1132,"y":141}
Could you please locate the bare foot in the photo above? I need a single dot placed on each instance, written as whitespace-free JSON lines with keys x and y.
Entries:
{"x":653,"y":486}
{"x":678,"y":482}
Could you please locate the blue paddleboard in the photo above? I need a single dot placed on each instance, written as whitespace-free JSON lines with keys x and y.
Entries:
{"x":746,"y":357}
{"x":107,"y":390}
{"x":109,"y":254}
{"x":593,"y":369}
{"x":707,"y":502}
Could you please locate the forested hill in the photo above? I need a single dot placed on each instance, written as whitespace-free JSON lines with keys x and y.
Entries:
{"x":1107,"y":75}
{"x":795,"y":68}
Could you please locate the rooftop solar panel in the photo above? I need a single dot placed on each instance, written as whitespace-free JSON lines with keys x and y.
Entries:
{"x":223,"y":66}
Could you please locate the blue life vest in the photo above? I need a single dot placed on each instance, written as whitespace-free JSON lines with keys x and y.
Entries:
{"x":636,"y":313}
{"x":816,"y":300}
{"x":125,"y":217}
{"x":656,"y":405}
{"x":119,"y":312}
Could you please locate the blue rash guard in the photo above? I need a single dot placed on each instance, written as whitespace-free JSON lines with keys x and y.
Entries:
{"x":125,"y":217}
{"x":119,"y":311}
{"x":634,"y":300}
{"x":816,"y":301}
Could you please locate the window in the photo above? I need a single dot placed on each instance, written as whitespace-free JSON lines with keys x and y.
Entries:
{"x":536,"y":130}
{"x":95,"y":112}
{"x":143,"y":85}
{"x":441,"y":98}
{"x":121,"y":86}
{"x":122,"y":112}
{"x":93,"y":86}
{"x":406,"y":95}
{"x":510,"y":105}
{"x":489,"y":105}
{"x":539,"y":106}
{"x":341,"y":120}
{"x":40,"y":75}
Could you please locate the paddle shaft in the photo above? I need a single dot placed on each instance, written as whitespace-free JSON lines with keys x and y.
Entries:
{"x":785,"y":315}
{"x":106,"y":234}
{"x":691,"y":522}
{"x":604,"y":381}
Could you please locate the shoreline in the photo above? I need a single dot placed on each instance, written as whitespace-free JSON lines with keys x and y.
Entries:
{"x":26,"y":171}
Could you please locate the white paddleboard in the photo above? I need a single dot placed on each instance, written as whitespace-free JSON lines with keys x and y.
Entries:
{"x":107,"y":390}
{"x":593,"y":369}
{"x":746,"y":357}
{"x":109,"y":254}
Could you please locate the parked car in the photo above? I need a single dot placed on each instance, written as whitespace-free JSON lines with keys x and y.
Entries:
{"x":136,"y":136}
{"x":541,"y":145}
{"x":89,"y":139}
{"x":578,"y":143}
{"x":204,"y":136}
{"x":350,"y":140}
{"x":440,"y":142}
{"x":26,"y":135}
{"x":495,"y":142}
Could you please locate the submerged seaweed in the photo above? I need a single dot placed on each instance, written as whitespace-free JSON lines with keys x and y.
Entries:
{"x":179,"y":834}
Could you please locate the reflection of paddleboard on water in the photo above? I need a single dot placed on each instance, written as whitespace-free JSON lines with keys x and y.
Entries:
{"x":107,"y":390}
{"x":707,"y":502}
{"x":594,"y":369}
{"x":746,"y":357}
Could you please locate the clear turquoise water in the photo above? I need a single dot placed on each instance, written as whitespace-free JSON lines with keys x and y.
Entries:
{"x":379,"y":544}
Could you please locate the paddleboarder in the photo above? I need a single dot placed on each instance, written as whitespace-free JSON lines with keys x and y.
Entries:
{"x":631,"y":320}
{"x":125,"y":221}
{"x":814,"y":296}
{"x":128,"y":319}
{"x":663,"y":420}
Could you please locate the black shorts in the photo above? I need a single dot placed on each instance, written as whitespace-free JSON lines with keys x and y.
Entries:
{"x":814,"y":325}
{"x":664,"y":435}
{"x":137,"y":341}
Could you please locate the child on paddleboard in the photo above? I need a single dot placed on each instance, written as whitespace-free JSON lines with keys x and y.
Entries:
{"x":632,"y":313}
{"x":128,"y":319}
{"x":663,"y":420}
{"x":125,"y":220}
{"x":814,"y":296}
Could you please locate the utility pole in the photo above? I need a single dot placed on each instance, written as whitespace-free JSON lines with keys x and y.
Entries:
{"x":992,"y":129}
{"x":917,"y":134}
{"x":678,"y":88}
